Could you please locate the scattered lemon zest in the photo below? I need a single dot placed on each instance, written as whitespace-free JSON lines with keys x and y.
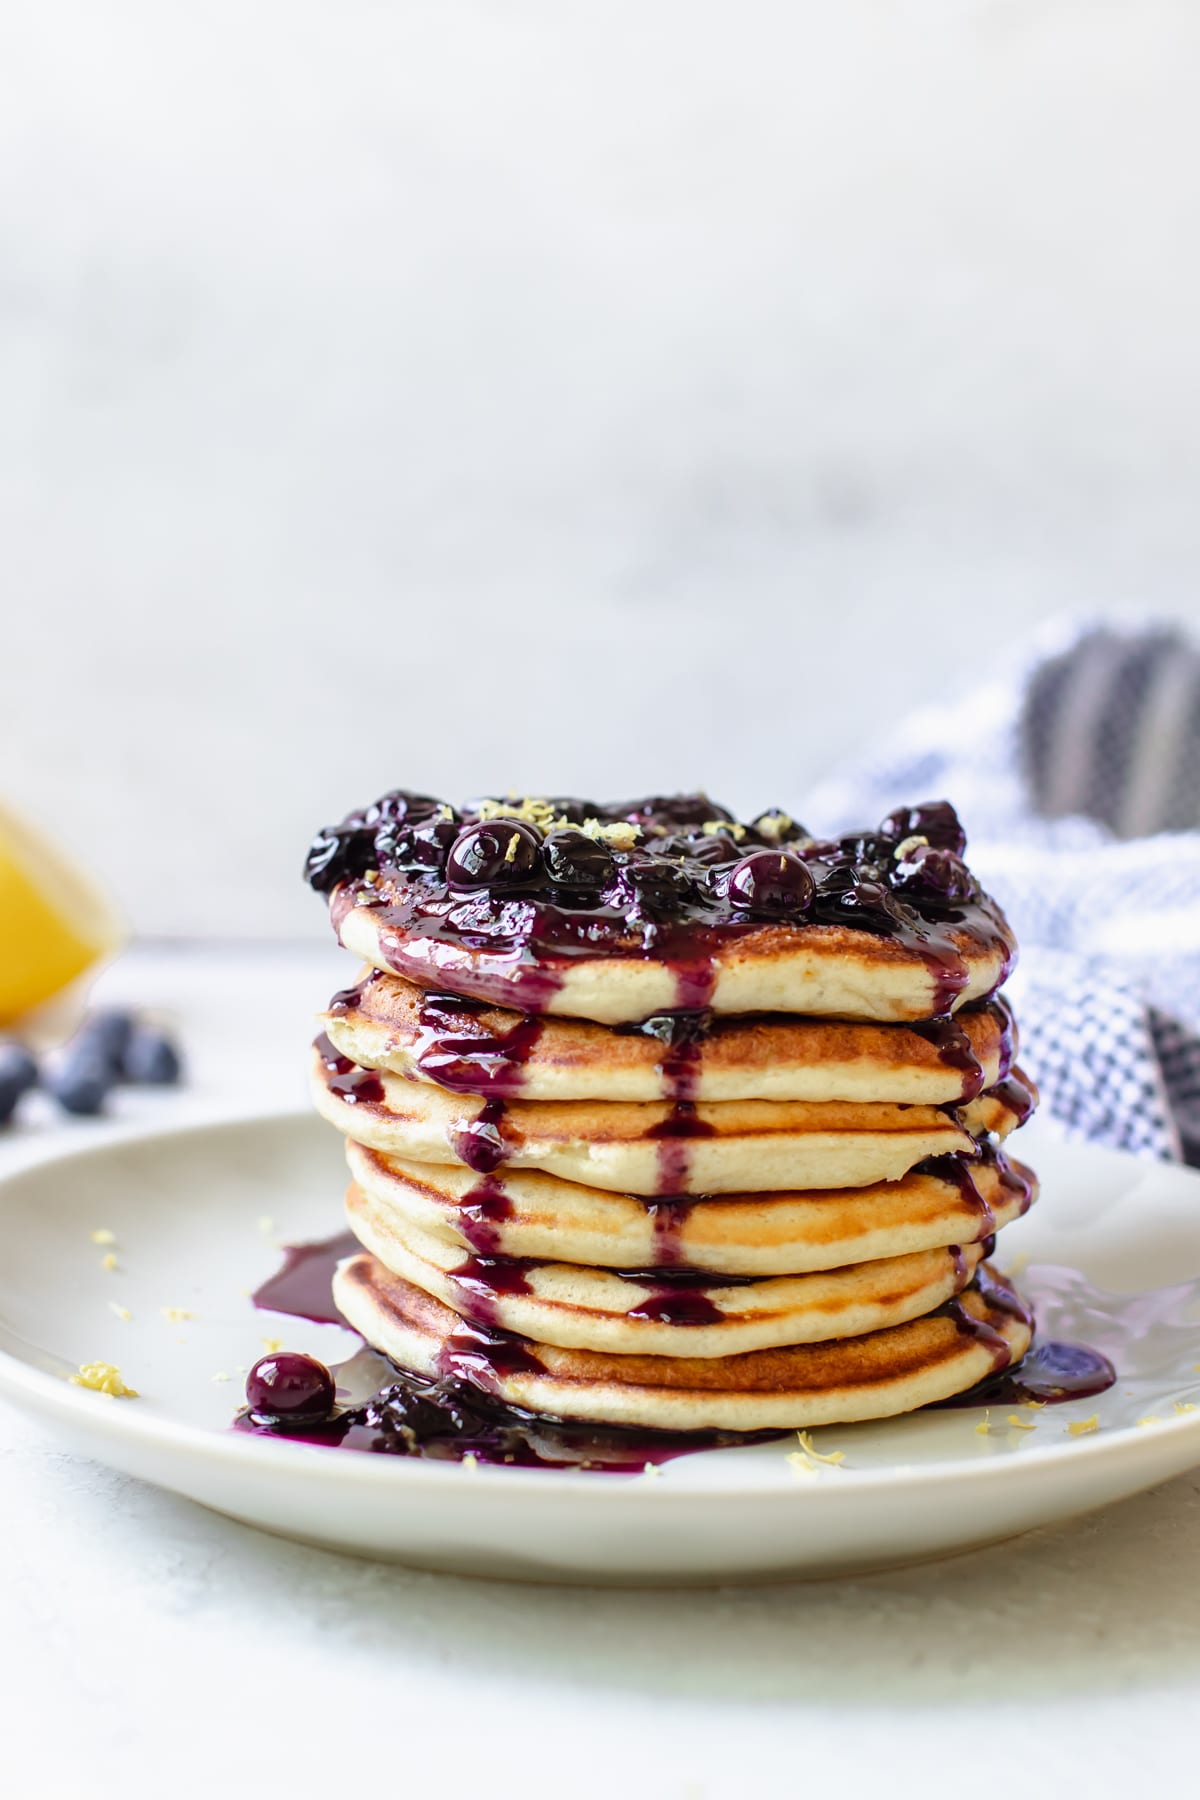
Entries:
{"x":108,"y":1263}
{"x":102,"y":1235}
{"x":771,"y":826}
{"x":728,"y":828}
{"x":103,"y":1378}
{"x":984,"y":1425}
{"x":620,"y":835}
{"x":271,"y":1345}
{"x":221,"y":1376}
{"x":470,"y":1461}
{"x":797,"y":1460}
{"x":1021,"y":1424}
{"x":122,"y":1312}
{"x":514,"y":844}
{"x":651,"y":1469}
{"x":175,"y":1315}
{"x":833,"y":1457}
{"x":1184,"y":1406}
{"x":909,"y":845}
{"x":1150,"y":1419}
{"x":1081,"y":1427}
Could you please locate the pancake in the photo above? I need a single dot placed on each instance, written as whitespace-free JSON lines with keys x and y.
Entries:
{"x":525,"y":1213}
{"x":731,"y":1147}
{"x":389,"y":1023}
{"x":660,"y":1313}
{"x":875,"y":1376}
{"x":825,"y":971}
{"x":617,"y":912}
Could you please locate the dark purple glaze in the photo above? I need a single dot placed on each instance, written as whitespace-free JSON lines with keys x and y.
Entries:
{"x":301,"y":1287}
{"x":954,"y":1051}
{"x":668,"y":896}
{"x":668,"y":1216}
{"x":481,"y":1209}
{"x":1049,"y":1374}
{"x":481,"y":1143}
{"x":354,"y":1085}
{"x":674,"y":1136}
{"x":483,"y":1280}
{"x":457,"y":1051}
{"x":1013,"y":1094}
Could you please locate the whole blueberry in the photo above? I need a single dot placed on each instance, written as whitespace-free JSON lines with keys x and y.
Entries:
{"x":651,"y":886}
{"x":18,"y":1073}
{"x":502,"y":851}
{"x":339,"y":853}
{"x":416,"y":846}
{"x":82,"y":1083}
{"x":576,"y":862}
{"x":931,"y":873}
{"x":772,"y":882}
{"x":108,"y":1034}
{"x":670,"y":812}
{"x":935,"y":820}
{"x":290,"y":1386}
{"x":847,"y":897}
{"x":400,"y":807}
{"x":151,"y":1059}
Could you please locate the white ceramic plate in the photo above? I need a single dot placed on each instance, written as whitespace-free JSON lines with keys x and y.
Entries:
{"x":198,"y":1213}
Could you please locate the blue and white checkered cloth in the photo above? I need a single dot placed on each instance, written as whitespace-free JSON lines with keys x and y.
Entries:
{"x":1079,"y":786}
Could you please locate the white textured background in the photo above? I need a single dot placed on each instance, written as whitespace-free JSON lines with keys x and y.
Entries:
{"x":611,"y":396}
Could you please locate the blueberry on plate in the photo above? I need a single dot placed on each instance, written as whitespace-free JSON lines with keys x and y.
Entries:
{"x":151,"y":1059}
{"x":18,"y":1073}
{"x":82,"y":1083}
{"x":290,"y":1387}
{"x":108,"y":1034}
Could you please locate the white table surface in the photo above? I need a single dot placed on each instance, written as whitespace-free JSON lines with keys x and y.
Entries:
{"x":154,"y":1649}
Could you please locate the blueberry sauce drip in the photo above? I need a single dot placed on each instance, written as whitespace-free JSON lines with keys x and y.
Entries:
{"x":1015,"y":1097}
{"x":483,"y":1280}
{"x":481,"y":1211}
{"x":355,"y":1085}
{"x":954,"y":1051}
{"x":481,"y":1143}
{"x":526,"y":905}
{"x":301,"y":1287}
{"x":668,"y":1216}
{"x":457,"y":1051}
{"x":674,"y":1137}
{"x":956,"y":1170}
{"x":1049,"y":1374}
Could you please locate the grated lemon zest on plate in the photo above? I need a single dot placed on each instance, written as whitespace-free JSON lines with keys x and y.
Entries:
{"x":1150,"y":1419}
{"x":271,"y":1345}
{"x":651,"y":1469}
{"x":102,"y":1235}
{"x":833,"y":1457}
{"x":1081,"y":1427}
{"x":1184,"y":1406}
{"x":799,"y":1463}
{"x":108,"y":1263}
{"x":175,"y":1315}
{"x":122,"y":1312}
{"x":103,"y":1378}
{"x":1021,"y":1424}
{"x":984,"y":1425}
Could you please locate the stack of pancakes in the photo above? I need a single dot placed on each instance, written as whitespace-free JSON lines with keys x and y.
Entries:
{"x":731,"y":1156}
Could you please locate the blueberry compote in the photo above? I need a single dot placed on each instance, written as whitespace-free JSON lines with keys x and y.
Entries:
{"x":384,"y":1409}
{"x":529,"y":886}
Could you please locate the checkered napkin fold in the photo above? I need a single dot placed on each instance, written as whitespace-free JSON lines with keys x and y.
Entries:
{"x":1079,"y":784}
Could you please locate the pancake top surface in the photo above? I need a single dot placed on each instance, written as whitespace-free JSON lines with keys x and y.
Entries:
{"x":546,"y":885}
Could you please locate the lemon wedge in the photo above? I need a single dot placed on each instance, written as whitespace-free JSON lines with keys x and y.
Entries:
{"x":54,"y":923}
